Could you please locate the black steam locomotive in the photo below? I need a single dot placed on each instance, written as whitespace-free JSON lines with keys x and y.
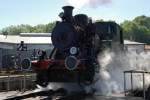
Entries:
{"x":77,"y":42}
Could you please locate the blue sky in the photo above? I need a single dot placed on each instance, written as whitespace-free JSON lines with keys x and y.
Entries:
{"x":33,"y":12}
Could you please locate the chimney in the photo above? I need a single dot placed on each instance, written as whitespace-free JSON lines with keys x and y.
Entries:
{"x":68,"y":12}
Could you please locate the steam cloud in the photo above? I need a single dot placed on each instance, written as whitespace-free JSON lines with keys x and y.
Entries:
{"x":113,"y":64}
{"x":92,"y":3}
{"x":109,"y":80}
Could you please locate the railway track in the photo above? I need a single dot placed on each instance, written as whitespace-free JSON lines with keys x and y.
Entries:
{"x":59,"y":94}
{"x":62,"y":94}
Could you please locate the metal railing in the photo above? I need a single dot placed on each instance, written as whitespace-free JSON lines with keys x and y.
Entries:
{"x":131,"y":72}
{"x":9,"y":81}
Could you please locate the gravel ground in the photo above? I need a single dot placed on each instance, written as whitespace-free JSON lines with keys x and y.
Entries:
{"x":5,"y":95}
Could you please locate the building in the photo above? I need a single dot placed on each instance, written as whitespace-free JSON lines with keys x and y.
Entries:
{"x":33,"y":41}
{"x":134,"y":46}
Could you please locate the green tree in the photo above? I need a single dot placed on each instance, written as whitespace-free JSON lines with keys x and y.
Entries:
{"x":137,"y":29}
{"x":50,"y":26}
{"x":142,"y":21}
{"x":16,"y":30}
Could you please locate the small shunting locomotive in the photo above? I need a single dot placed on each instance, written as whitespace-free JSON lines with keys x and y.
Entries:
{"x":77,"y":42}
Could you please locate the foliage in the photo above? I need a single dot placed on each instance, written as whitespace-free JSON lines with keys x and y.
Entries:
{"x":137,"y":29}
{"x":15,"y":30}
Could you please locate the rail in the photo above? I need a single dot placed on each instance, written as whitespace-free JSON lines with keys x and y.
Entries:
{"x":59,"y":94}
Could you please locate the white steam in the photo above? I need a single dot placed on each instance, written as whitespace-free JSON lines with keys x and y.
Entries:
{"x":113,"y":64}
{"x":92,"y":3}
{"x":70,"y":87}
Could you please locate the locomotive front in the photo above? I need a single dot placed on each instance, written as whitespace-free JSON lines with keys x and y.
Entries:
{"x":72,"y":45}
{"x":74,"y":57}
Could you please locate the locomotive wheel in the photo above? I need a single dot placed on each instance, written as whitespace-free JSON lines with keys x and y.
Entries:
{"x":88,"y":82}
{"x":89,"y":73}
{"x":84,"y":80}
{"x":41,"y":78}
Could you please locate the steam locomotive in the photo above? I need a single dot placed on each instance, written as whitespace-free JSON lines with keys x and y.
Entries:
{"x":77,"y":42}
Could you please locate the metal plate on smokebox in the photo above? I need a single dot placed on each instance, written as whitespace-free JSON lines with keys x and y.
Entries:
{"x":112,"y":98}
